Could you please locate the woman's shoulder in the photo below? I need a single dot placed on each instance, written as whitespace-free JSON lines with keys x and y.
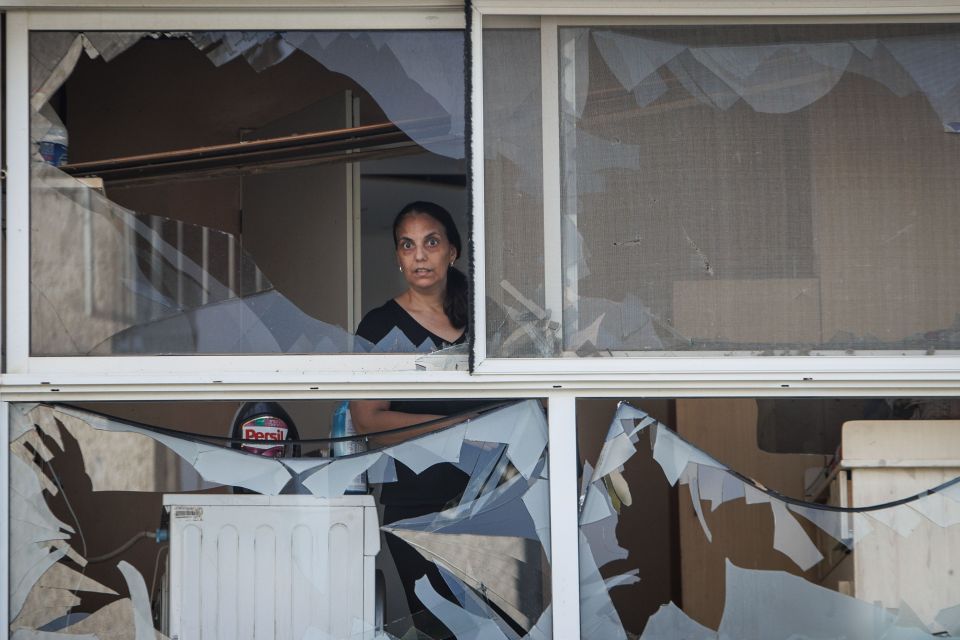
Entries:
{"x":378,"y":322}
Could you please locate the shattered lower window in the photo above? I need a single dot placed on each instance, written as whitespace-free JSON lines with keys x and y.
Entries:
{"x":751,"y":190}
{"x":234,"y":192}
{"x":123,"y":529}
{"x":688,"y":530}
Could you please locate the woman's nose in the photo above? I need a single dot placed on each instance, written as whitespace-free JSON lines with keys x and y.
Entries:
{"x":420,"y":254}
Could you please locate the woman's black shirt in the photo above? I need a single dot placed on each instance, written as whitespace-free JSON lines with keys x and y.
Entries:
{"x":379,"y":322}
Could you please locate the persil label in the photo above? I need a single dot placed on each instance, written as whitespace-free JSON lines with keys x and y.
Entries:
{"x":264,"y":435}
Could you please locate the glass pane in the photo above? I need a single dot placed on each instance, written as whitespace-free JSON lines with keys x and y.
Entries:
{"x":517,"y":323}
{"x":690,"y":530}
{"x":248,"y":520}
{"x":760,"y":189}
{"x":235,"y":192}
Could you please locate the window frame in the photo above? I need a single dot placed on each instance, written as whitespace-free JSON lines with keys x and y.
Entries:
{"x":709,"y":367}
{"x":404,"y":15}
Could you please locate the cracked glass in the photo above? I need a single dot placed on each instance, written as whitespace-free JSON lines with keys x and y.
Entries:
{"x":121,"y":528}
{"x":233,"y":192}
{"x":689,"y":530}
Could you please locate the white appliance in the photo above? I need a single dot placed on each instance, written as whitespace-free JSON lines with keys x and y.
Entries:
{"x":271,"y":567}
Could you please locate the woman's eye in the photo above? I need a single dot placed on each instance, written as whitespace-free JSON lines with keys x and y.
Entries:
{"x":432,"y":242}
{"x":406,"y":245}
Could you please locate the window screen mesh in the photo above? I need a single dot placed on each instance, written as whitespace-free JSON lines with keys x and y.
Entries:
{"x":759,"y":189}
{"x":513,"y":194}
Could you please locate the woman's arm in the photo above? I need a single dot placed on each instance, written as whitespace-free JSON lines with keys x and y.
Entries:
{"x":372,"y":417}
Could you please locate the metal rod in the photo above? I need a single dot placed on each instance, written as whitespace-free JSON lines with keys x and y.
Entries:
{"x":255,"y":152}
{"x":217,"y":150}
{"x":128,"y":178}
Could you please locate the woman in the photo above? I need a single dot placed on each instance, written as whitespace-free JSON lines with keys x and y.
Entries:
{"x":434,"y":308}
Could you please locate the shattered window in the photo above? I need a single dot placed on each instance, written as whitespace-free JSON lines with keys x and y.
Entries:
{"x":235,"y":192}
{"x":765,"y":190}
{"x":689,"y":530}
{"x":121,"y":527}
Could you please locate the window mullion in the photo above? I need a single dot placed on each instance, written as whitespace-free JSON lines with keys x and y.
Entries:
{"x":552,"y":224}
{"x":564,"y":530}
{"x":17,"y":264}
{"x":478,"y":239}
{"x":5,"y":515}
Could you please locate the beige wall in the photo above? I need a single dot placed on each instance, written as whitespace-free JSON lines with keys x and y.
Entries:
{"x":726,"y":429}
{"x":884,"y":202}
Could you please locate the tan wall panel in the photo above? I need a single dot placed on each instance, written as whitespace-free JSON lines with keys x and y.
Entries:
{"x":726,"y":429}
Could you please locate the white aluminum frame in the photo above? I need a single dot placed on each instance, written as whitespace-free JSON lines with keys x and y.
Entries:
{"x":714,"y":10}
{"x":19,"y":23}
{"x":713,"y":369}
{"x":564,"y":517}
{"x":5,"y":515}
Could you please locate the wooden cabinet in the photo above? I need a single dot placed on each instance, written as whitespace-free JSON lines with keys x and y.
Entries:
{"x":886,"y":461}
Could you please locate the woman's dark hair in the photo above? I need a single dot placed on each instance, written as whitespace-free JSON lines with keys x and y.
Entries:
{"x":455,"y":300}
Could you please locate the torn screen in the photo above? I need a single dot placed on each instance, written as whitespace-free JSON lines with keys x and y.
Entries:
{"x":758,"y":563}
{"x":296,"y":533}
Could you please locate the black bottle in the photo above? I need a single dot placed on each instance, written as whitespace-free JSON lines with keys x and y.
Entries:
{"x":265,"y":429}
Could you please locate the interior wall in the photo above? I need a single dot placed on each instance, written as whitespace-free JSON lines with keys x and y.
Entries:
{"x":296,"y":220}
{"x":884,"y":207}
{"x":727,"y":430}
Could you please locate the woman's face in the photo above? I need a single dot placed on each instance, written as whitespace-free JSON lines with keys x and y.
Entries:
{"x":423,"y":251}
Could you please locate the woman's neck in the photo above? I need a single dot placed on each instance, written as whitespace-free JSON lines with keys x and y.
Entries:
{"x":422,"y":300}
{"x":428,"y":311}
